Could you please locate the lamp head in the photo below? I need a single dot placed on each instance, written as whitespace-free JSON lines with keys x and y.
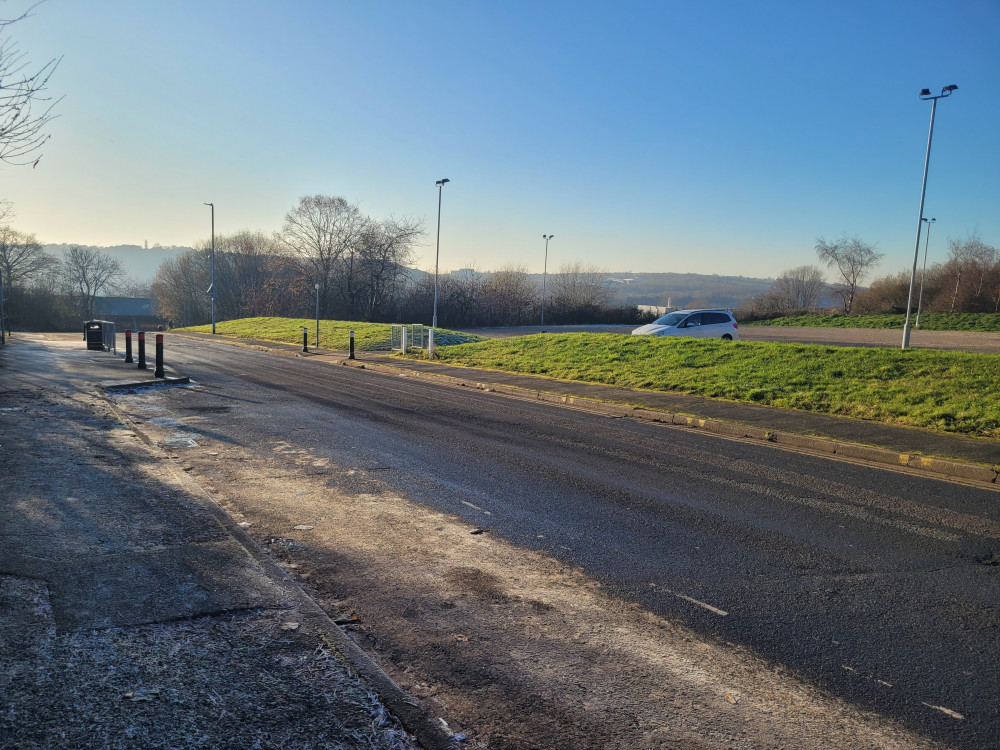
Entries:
{"x":440,"y":183}
{"x":925,"y":92}
{"x":948,"y":89}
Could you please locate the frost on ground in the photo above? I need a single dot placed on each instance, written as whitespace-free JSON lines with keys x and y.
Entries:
{"x":245,"y":680}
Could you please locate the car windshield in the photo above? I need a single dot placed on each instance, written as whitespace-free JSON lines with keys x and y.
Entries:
{"x":670,"y":319}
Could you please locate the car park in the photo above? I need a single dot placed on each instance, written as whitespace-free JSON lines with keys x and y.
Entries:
{"x":702,"y":324}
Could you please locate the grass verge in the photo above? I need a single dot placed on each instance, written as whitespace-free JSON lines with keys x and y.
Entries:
{"x":985,"y":322}
{"x":333,"y":334}
{"x":942,"y":390}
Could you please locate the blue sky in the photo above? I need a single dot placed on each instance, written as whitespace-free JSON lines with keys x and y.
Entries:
{"x":707,"y":137}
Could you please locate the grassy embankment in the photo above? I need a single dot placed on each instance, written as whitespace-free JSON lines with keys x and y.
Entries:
{"x":942,"y":390}
{"x":986,"y":322}
{"x":333,"y":334}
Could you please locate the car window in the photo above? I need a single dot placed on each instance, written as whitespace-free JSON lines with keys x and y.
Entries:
{"x":670,"y":319}
{"x":714,"y":318}
{"x":693,"y":320}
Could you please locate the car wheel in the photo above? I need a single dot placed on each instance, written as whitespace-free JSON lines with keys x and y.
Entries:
{"x":727,"y":337}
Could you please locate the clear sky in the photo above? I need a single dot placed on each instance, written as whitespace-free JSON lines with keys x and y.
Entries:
{"x":711,"y":137}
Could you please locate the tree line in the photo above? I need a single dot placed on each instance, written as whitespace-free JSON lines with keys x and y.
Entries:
{"x":966,"y":281}
{"x":327,"y":257}
{"x":331,"y":259}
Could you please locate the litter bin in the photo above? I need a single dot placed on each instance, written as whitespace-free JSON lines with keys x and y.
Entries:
{"x":93,"y":333}
{"x":100,"y":335}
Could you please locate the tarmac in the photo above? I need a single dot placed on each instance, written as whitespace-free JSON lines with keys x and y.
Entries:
{"x":135,"y":613}
{"x":958,"y":457}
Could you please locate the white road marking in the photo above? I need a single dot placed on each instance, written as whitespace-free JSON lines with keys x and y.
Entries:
{"x":709,"y":607}
{"x":945,"y":711}
{"x":476,"y":507}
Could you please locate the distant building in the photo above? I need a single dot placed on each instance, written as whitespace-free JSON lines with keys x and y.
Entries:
{"x":135,"y":313}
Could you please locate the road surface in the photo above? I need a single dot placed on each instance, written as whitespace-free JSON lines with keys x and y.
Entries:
{"x":557,"y":578}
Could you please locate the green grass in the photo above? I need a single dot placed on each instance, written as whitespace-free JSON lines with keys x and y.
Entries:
{"x":987,"y":322}
{"x":333,"y":334}
{"x":942,"y":390}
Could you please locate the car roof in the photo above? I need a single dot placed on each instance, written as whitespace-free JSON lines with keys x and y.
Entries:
{"x":702,"y":309}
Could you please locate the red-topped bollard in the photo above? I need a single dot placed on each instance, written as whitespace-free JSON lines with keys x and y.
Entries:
{"x":142,"y":350}
{"x":128,"y":346}
{"x":158,"y":372}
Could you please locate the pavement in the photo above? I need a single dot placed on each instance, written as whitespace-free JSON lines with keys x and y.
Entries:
{"x":135,"y":613}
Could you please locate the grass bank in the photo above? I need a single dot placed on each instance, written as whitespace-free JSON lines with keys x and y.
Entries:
{"x":333,"y":334}
{"x":986,"y":322}
{"x":941,"y":390}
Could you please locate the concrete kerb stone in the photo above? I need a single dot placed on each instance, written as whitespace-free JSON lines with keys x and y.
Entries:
{"x":871,"y":453}
{"x":974,"y":472}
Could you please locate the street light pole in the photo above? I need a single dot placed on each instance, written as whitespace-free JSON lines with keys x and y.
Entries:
{"x":437,"y":253}
{"x":923,"y":273}
{"x":545,"y":271}
{"x":3,"y":313}
{"x":211,"y":287}
{"x":317,"y":314}
{"x":925,"y":94}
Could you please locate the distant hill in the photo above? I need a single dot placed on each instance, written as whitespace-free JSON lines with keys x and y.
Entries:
{"x":681,"y":290}
{"x":140,"y":263}
{"x":678,"y":290}
{"x":684,"y":290}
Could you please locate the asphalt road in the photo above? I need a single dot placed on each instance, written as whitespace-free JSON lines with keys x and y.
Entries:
{"x":880,"y":587}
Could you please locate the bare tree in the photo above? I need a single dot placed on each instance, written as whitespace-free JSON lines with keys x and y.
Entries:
{"x":22,"y":258}
{"x":509,"y":297}
{"x":579,"y":292}
{"x":128,"y":286}
{"x":971,"y":264}
{"x":319,"y":231}
{"x":86,"y":272}
{"x":799,"y":288}
{"x":24,"y":108}
{"x":243,"y":271}
{"x":374,"y":267}
{"x":179,"y":289}
{"x":853,"y":259}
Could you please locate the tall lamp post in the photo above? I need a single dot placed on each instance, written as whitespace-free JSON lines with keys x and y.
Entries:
{"x":437,"y":253}
{"x":923,"y":273}
{"x":926,"y":95}
{"x":545,"y":271}
{"x":317,"y":314}
{"x":211,"y":285}
{"x":3,"y":340}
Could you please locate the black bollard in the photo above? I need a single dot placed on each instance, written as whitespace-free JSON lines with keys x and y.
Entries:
{"x":142,"y":350}
{"x":128,"y":346}
{"x":305,"y":339}
{"x":352,"y":346}
{"x":158,"y":372}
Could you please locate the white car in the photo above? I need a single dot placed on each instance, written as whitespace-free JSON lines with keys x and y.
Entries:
{"x":701,"y":324}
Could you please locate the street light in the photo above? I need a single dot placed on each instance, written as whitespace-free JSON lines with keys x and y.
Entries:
{"x":3,"y":340}
{"x":211,"y":285}
{"x":437,"y":253}
{"x":923,"y":273}
{"x":926,"y":95}
{"x":317,"y":314}
{"x":545,"y":271}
